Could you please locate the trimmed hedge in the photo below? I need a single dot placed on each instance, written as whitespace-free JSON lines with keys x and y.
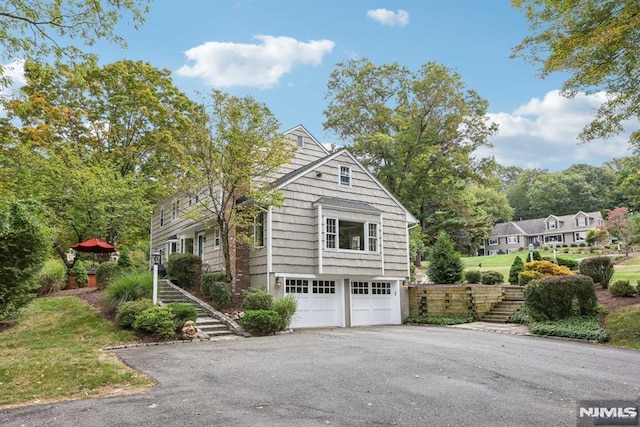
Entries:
{"x":257,"y":299}
{"x":492,"y":278}
{"x":547,"y":268}
{"x":261,"y":322}
{"x":473,"y":276}
{"x":216,"y":287}
{"x":622,"y":288}
{"x":157,"y":321}
{"x":557,"y":297}
{"x":185,"y":270}
{"x":599,"y":268}
{"x":182,"y":312}
{"x":570,"y":263}
{"x":527,"y":276}
{"x":126,"y":313}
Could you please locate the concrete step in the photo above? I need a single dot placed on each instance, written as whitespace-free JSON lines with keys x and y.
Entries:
{"x":495,"y":318}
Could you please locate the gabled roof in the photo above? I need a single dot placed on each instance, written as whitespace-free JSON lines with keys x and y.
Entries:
{"x":309,"y":135}
{"x":298,"y":173}
{"x":533,"y":227}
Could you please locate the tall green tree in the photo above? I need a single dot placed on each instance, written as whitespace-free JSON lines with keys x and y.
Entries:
{"x":39,"y":28}
{"x":445,"y":264}
{"x":231,"y":160}
{"x":597,"y":43}
{"x":417,"y":132}
{"x":98,"y":145}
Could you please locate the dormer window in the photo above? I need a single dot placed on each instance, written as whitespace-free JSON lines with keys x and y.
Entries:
{"x":581,"y":221}
{"x":345,"y":176}
{"x":552,"y":225}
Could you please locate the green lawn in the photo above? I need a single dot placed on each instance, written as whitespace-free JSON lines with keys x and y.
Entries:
{"x":54,"y":352}
{"x":624,"y":327}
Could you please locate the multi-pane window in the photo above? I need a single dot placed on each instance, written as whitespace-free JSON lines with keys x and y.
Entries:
{"x":552,"y":225}
{"x":258,"y":230}
{"x":360,"y":288}
{"x":494,"y":241}
{"x":556,"y":238}
{"x":351,"y":235}
{"x":331,"y":233}
{"x":513,"y":239}
{"x":345,"y":176}
{"x":324,"y":287}
{"x":200,"y":245}
{"x":581,"y":221}
{"x":216,"y":238}
{"x":297,"y":286}
{"x":580,"y":236}
{"x":175,"y":210}
{"x":380,"y":288}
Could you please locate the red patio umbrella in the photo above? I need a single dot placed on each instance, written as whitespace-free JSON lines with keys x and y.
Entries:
{"x":94,"y":245}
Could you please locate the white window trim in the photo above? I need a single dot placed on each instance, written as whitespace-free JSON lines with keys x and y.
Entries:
{"x":494,"y":241}
{"x":340,"y":175}
{"x":200,"y":241}
{"x":216,"y":238}
{"x":577,"y":236}
{"x":582,"y":218}
{"x":494,"y":252}
{"x":510,"y":240}
{"x":175,"y":210}
{"x":366,"y":236}
{"x":550,"y":223}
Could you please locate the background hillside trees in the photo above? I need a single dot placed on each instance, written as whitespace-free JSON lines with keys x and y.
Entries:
{"x":417,"y":131}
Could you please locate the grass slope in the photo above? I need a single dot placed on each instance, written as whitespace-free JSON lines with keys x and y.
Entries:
{"x":53,"y":353}
{"x":623,"y":326}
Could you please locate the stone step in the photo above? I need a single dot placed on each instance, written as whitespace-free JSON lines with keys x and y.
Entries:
{"x":495,"y":318}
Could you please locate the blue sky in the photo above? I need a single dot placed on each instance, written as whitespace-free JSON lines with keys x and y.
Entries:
{"x":281,"y":52}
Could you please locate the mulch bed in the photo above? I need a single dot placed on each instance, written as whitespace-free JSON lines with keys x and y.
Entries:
{"x":612,"y":303}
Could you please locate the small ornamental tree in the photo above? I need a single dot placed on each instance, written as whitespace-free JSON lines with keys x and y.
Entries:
{"x":24,"y":243}
{"x":445,"y":264}
{"x":516,"y":268}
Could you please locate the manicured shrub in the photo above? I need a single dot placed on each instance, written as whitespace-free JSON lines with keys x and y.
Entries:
{"x":127,"y":287}
{"x":25,"y":241}
{"x":445,"y":263}
{"x":286,"y":307}
{"x":622,"y":288}
{"x":126,"y":313}
{"x":124,"y":261}
{"x":157,"y":321}
{"x":215,"y":286}
{"x":569,"y":263}
{"x":473,"y":276}
{"x":257,"y":299}
{"x":51,"y":277}
{"x":547,"y":268}
{"x":104,"y":273}
{"x":527,"y":276}
{"x":79,"y":274}
{"x":517,"y":266}
{"x":599,"y":268}
{"x":185,"y":270}
{"x":182,"y":312}
{"x":537,"y":256}
{"x":558,"y":297}
{"x":492,"y":278}
{"x":261,"y":322}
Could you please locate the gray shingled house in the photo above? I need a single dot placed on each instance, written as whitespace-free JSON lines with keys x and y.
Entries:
{"x":554,"y":230}
{"x":339,"y":243}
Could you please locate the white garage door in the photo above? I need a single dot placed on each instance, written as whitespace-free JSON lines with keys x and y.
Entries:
{"x":374,"y":303}
{"x":319,"y":302}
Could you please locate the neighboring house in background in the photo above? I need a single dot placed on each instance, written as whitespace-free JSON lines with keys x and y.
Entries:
{"x":339,"y":242}
{"x":514,"y":236}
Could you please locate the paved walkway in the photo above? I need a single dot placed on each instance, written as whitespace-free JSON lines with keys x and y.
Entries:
{"x":503,"y":328}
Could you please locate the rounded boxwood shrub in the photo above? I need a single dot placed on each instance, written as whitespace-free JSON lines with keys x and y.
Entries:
{"x":127,"y":312}
{"x":473,"y":276}
{"x":182,"y":312}
{"x":79,"y":274}
{"x":157,"y":321}
{"x":257,"y":299}
{"x":558,"y":297}
{"x":215,"y":286}
{"x":185,"y":270}
{"x":104,"y":273}
{"x":286,"y":307}
{"x":570,"y":263}
{"x":262,"y":322}
{"x":492,"y":278}
{"x":599,"y":268}
{"x":622,"y":288}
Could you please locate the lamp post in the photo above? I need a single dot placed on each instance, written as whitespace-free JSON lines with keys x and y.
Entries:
{"x":531,"y":252}
{"x":157,"y":258}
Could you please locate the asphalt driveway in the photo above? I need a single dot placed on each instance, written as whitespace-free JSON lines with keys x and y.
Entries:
{"x":399,"y":375}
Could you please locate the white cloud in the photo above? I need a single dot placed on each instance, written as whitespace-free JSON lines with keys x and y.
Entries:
{"x":226,"y":64}
{"x":543,"y":134}
{"x":399,"y":18}
{"x":14,"y":71}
